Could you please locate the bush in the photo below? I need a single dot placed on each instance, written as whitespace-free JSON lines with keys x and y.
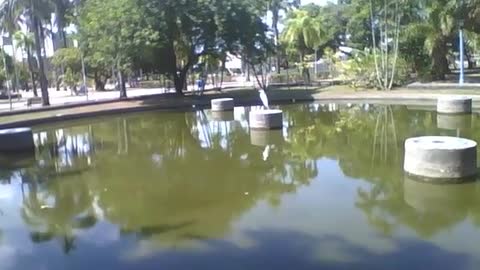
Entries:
{"x":294,"y":77}
{"x":360,"y":70}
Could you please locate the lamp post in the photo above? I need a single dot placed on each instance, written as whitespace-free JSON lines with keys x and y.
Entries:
{"x":84,"y":76}
{"x":76,"y":44}
{"x":462,"y":67}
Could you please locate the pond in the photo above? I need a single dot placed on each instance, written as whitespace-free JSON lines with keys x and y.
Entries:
{"x":196,"y":190}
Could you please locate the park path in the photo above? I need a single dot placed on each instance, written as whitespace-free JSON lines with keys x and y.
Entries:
{"x":242,"y":97}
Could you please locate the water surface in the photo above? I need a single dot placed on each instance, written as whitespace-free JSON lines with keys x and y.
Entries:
{"x":198,"y":190}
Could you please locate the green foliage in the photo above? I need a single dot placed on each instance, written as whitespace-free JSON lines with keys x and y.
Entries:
{"x":361,"y":73}
{"x":190,"y":29}
{"x":23,"y":74}
{"x":70,"y":78}
{"x":293,"y":77}
{"x":414,"y":51}
{"x":358,"y":24}
{"x":68,"y":58}
{"x":3,"y":78}
{"x":112,"y":32}
{"x":303,"y":30}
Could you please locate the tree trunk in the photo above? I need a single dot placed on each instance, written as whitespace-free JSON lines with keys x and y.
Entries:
{"x":439,"y":59}
{"x":305,"y":71}
{"x":275,"y":19}
{"x":470,"y":60}
{"x":222,"y":71}
{"x":122,"y":84}
{"x":32,"y":71}
{"x":179,"y":81}
{"x":64,"y":38}
{"x":38,"y":46}
{"x":57,"y":81}
{"x":99,"y":83}
{"x":185,"y":82}
{"x":42,"y":37}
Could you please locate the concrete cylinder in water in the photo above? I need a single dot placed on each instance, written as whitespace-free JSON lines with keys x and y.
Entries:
{"x":16,"y":160}
{"x":223,"y":116}
{"x":16,"y":140}
{"x":262,"y":137}
{"x":454,"y":121}
{"x":434,"y":198}
{"x":454,"y":105}
{"x":223,"y":104}
{"x":441,"y":159}
{"x":266,"y":119}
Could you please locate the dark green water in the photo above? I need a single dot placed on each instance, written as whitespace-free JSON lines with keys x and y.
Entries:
{"x":183,"y":191}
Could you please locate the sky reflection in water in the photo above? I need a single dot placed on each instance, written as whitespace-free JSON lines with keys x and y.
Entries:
{"x":200,"y":190}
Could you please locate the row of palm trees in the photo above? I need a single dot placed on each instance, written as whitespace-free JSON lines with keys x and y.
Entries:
{"x":27,"y":23}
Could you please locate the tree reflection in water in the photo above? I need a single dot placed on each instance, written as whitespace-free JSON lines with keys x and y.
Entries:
{"x":176,"y":179}
{"x":58,"y":201}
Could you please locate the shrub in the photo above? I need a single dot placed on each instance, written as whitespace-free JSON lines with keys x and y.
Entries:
{"x":294,"y":77}
{"x":360,"y":70}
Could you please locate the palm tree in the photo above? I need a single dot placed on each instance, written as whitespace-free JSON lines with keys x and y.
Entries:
{"x":61,"y":10}
{"x":303,"y":33}
{"x":440,"y":28}
{"x":25,"y":41}
{"x":275,"y":6}
{"x":435,"y":27}
{"x":32,"y":11}
{"x":35,"y":15}
{"x":38,"y":47}
{"x":8,"y":24}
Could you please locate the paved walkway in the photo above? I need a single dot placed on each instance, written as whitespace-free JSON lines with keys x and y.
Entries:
{"x":66,"y":97}
{"x":242,"y":97}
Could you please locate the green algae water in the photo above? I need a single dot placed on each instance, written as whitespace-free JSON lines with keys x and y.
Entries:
{"x":198,"y":190}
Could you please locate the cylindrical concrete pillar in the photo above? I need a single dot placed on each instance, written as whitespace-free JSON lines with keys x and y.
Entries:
{"x":454,"y":121}
{"x":262,"y":137}
{"x":16,"y":140}
{"x":223,"y":104}
{"x":446,"y":199}
{"x":16,"y":161}
{"x":223,"y":116}
{"x":454,"y":105}
{"x":266,"y":119}
{"x":441,"y":159}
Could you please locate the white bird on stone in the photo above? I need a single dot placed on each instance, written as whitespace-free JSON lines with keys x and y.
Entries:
{"x":266,"y":153}
{"x":264,"y":98}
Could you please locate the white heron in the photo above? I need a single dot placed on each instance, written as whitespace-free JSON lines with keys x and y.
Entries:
{"x":266,"y":153}
{"x":264,"y":98}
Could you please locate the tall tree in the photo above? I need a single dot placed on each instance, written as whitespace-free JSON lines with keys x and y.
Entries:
{"x":25,"y":41}
{"x":304,"y":33}
{"x":114,"y":31}
{"x":190,"y":29}
{"x":385,"y":15}
{"x":37,"y":29}
{"x":8,"y":25}
{"x":276,"y":7}
{"x":62,"y":8}
{"x":33,"y":11}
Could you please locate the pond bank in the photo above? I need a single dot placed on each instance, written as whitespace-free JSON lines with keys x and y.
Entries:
{"x":242,"y":97}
